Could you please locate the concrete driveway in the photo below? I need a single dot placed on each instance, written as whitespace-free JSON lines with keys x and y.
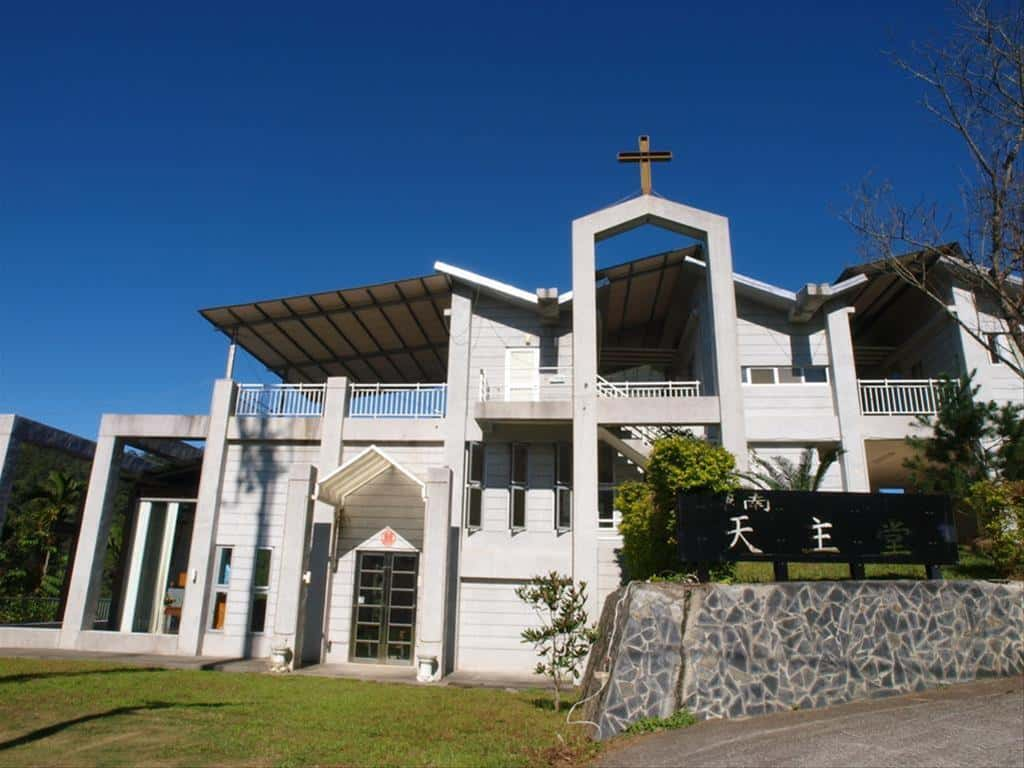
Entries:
{"x":973,"y":724}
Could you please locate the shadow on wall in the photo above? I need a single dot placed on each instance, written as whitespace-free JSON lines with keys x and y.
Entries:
{"x":259,"y":473}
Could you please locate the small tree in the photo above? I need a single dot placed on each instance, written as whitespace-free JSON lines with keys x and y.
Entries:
{"x":999,"y":505}
{"x":781,"y":474}
{"x":970,"y":441}
{"x":648,"y":524}
{"x":563,"y":638}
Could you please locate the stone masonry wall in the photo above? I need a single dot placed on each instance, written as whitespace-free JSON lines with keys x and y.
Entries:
{"x":739,"y":650}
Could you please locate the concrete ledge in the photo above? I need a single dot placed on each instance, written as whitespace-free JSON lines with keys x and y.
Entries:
{"x":284,"y":428}
{"x":178,"y":426}
{"x":544,"y":410}
{"x":393,"y":430}
{"x":739,"y":650}
{"x":29,"y":637}
{"x":127,"y":642}
{"x":891,"y":427}
{"x":658,"y":410}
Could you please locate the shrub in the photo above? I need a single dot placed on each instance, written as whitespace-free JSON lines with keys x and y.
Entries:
{"x":999,"y":506}
{"x":648,"y":524}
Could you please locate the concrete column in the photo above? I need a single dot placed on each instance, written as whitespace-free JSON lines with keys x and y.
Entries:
{"x":722,"y":293}
{"x":433,"y":576}
{"x":584,"y":422}
{"x":320,"y":543}
{"x":974,"y":354}
{"x":846,"y":394}
{"x":204,"y":529}
{"x":83,"y":591}
{"x":297,"y":524}
{"x":461,"y":388}
{"x":331,"y":439}
{"x":9,"y":445}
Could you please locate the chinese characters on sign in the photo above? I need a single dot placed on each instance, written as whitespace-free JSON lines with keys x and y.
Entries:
{"x":830,"y":527}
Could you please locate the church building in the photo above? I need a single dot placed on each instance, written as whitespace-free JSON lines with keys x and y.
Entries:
{"x":436,"y":441}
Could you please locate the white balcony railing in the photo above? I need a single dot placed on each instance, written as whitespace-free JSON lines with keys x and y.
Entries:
{"x":647,"y":389}
{"x":553,"y":383}
{"x":900,"y":397}
{"x":280,"y":400}
{"x":398,"y":401}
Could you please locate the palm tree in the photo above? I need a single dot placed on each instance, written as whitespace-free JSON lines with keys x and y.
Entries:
{"x":781,"y":474}
{"x":56,"y":504}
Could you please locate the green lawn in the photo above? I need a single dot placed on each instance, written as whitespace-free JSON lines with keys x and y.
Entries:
{"x":84,"y":713}
{"x":971,"y":566}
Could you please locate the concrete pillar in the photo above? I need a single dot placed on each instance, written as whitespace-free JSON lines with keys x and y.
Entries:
{"x":584,"y":422}
{"x":846,"y":394}
{"x":9,"y":445}
{"x":331,"y":439}
{"x":974,"y":354}
{"x":433,"y":576}
{"x":461,"y":388}
{"x":83,"y":591}
{"x":297,"y":524}
{"x":722,"y":290}
{"x":317,"y":596}
{"x":204,"y":529}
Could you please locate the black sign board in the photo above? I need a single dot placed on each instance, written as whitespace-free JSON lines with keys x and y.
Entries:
{"x":801,"y":526}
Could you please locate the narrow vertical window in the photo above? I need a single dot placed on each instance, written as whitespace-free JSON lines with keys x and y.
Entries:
{"x":605,"y":486}
{"x":997,"y":347}
{"x":474,"y":491}
{"x":563,"y":486}
{"x":260,"y":590}
{"x":517,"y":486}
{"x":222,"y":581}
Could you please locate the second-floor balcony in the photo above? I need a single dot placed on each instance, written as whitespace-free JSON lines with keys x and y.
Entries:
{"x":647,"y":389}
{"x":546,"y":393}
{"x":289,"y":400}
{"x":900,"y":397}
{"x":398,"y":401}
{"x":365,"y":401}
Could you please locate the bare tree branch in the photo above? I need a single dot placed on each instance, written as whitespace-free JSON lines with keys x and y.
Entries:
{"x":974,"y":84}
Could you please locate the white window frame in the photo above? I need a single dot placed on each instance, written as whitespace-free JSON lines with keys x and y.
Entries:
{"x":606,"y":487}
{"x":998,"y":344}
{"x":746,"y":377}
{"x":517,"y":487}
{"x":262,"y":590}
{"x":219,"y":587}
{"x":534,"y":389}
{"x":474,"y":486}
{"x":562,"y":488}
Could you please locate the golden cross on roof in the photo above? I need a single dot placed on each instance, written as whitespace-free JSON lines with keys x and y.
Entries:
{"x":645,"y":157}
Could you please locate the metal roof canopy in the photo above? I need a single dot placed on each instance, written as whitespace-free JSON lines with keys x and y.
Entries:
{"x":389,"y":332}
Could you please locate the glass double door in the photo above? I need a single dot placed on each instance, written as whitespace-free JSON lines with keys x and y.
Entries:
{"x":384,"y":607}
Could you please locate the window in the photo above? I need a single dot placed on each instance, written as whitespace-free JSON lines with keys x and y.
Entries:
{"x":260,"y":590}
{"x":222,"y":579}
{"x":517,"y":487}
{"x":474,"y":485}
{"x":760,"y":376}
{"x":605,"y":486}
{"x":605,"y":463}
{"x":606,"y":508}
{"x":998,"y":345}
{"x":563,"y":486}
{"x":785,"y":374}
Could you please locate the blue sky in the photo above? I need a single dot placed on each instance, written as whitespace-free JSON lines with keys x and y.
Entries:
{"x":156,"y":159}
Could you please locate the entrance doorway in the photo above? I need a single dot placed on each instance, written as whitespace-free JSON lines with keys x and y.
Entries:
{"x":384,"y":608}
